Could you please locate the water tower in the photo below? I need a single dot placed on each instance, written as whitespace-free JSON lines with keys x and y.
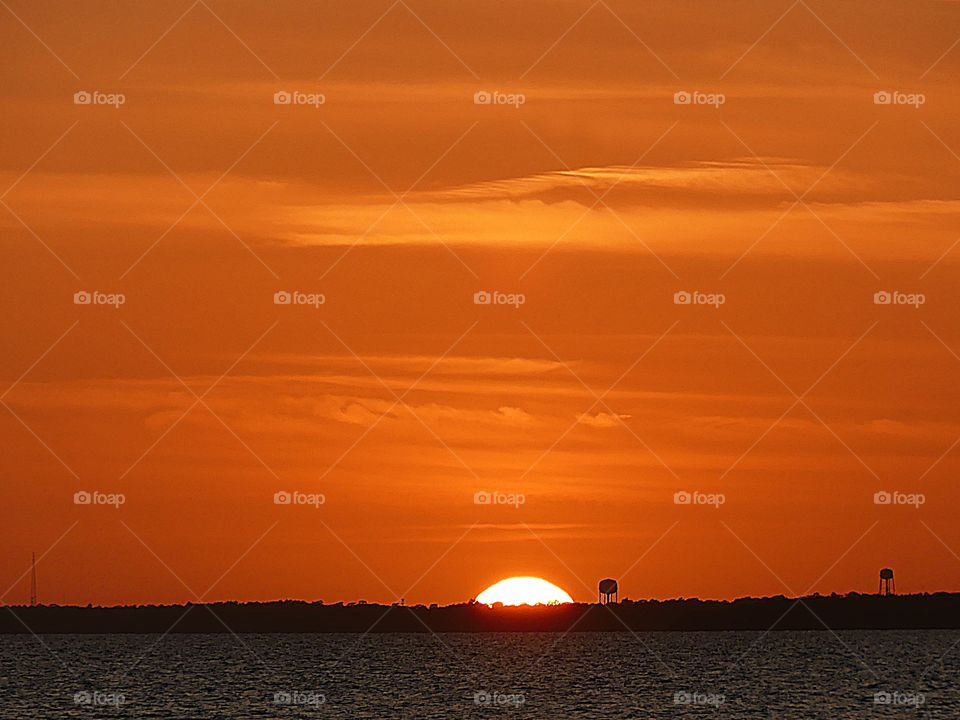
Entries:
{"x":608,"y":591}
{"x":887,"y":585}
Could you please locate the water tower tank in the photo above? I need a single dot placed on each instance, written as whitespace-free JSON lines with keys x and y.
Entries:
{"x":887,"y":584}
{"x":608,"y":591}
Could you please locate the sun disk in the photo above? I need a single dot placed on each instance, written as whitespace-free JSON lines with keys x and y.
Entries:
{"x":524,"y":591}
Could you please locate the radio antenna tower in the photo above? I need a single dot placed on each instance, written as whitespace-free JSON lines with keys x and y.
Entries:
{"x":33,"y":580}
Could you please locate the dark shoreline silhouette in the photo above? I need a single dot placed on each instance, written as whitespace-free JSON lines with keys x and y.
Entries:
{"x":816,"y":612}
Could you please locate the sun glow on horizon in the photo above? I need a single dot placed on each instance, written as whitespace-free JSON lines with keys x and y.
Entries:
{"x":524,"y":591}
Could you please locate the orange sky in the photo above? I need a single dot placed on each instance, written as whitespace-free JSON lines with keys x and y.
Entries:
{"x":398,"y":198}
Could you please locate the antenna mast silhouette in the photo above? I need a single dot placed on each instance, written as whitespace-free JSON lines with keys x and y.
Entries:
{"x":33,"y":580}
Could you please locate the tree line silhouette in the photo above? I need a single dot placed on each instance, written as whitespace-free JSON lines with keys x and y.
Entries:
{"x":816,"y":612}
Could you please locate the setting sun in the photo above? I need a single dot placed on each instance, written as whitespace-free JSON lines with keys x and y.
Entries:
{"x":524,"y":591}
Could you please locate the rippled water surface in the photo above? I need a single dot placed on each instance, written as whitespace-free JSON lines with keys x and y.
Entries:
{"x":775,"y":676}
